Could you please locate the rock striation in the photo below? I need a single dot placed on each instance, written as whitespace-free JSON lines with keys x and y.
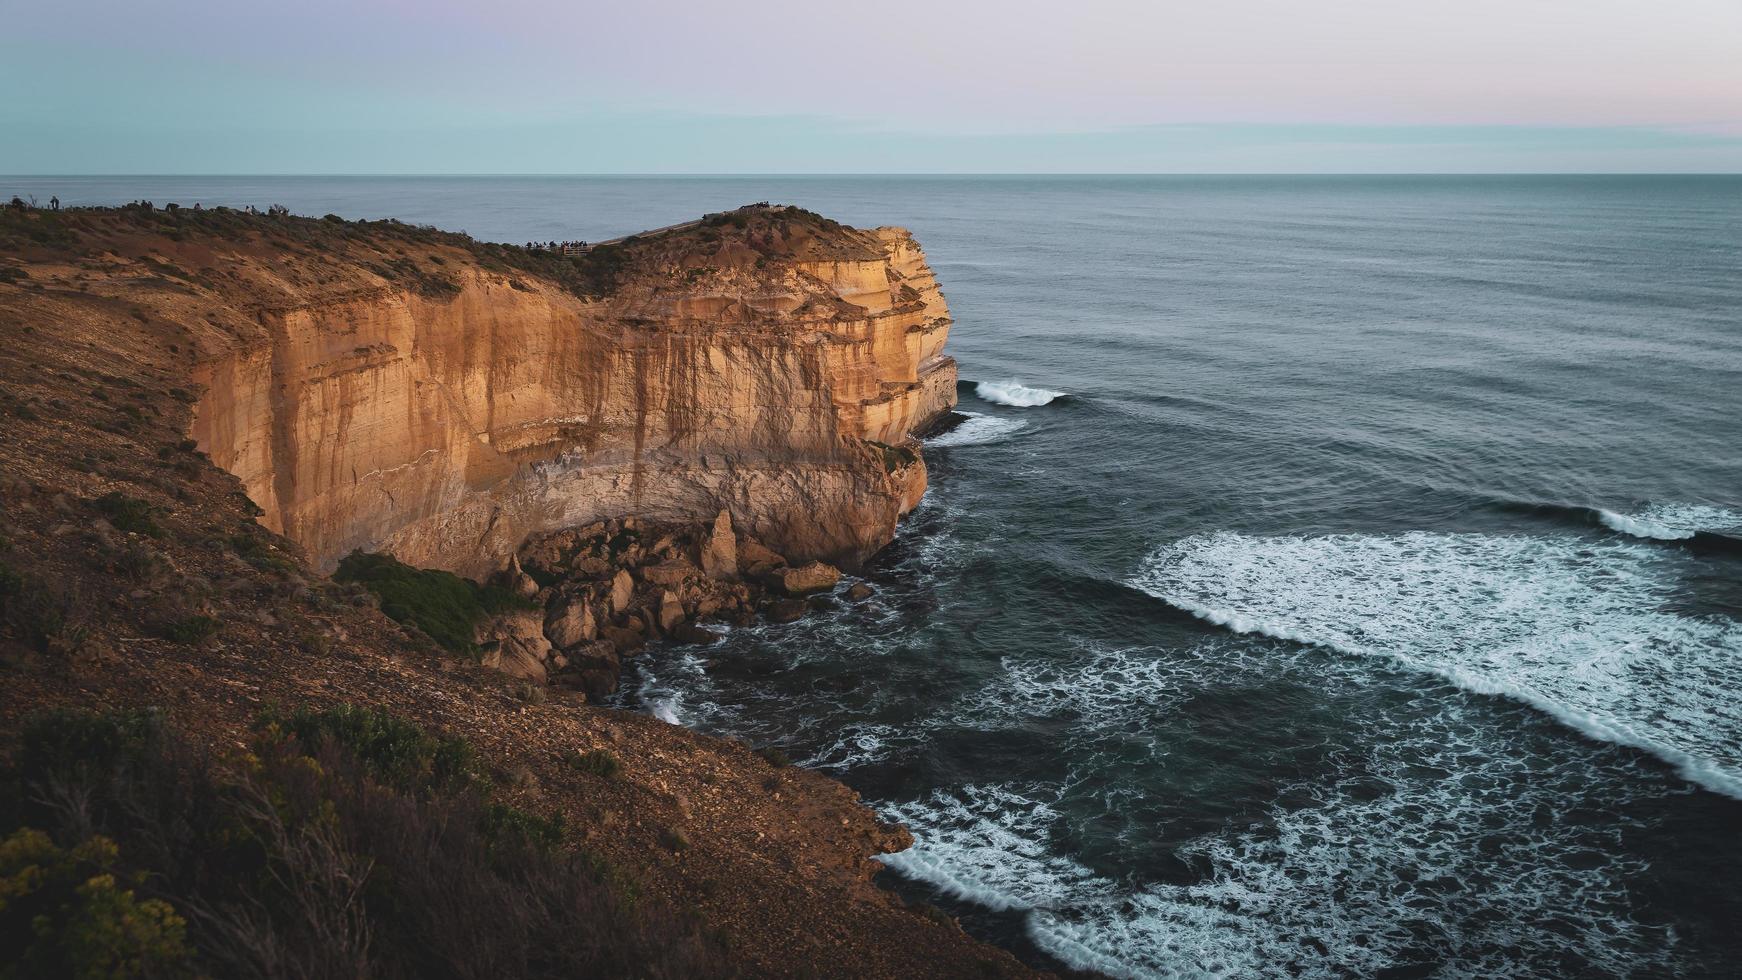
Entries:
{"x":767,"y":363}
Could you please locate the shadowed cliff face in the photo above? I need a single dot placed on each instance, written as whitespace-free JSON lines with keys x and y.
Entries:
{"x":452,"y":406}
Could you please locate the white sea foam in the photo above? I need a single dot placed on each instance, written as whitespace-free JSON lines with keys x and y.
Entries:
{"x":855,"y":744}
{"x":1376,"y":866}
{"x":1015,"y":394}
{"x":1353,"y":884}
{"x":1575,"y":630}
{"x":1672,"y":522}
{"x":1103,"y":688}
{"x":977,"y":430}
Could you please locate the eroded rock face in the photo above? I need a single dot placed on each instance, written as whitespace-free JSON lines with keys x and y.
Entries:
{"x":738,"y":369}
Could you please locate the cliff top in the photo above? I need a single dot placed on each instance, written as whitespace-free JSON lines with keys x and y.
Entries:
{"x":183,"y":244}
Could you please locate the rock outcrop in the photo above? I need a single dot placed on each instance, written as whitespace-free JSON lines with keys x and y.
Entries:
{"x":767,"y":363}
{"x":606,"y":594}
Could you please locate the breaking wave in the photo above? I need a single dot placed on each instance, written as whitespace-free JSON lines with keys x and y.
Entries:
{"x":1573,"y":629}
{"x":977,"y":430}
{"x":1672,"y":522}
{"x":1015,"y":395}
{"x":1374,"y":869}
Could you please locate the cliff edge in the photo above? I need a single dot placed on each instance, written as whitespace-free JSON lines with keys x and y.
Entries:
{"x":391,"y":389}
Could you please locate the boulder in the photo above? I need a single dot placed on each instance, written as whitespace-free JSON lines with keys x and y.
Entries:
{"x":691,"y":633}
{"x":513,"y":658}
{"x":570,"y":623}
{"x":720,"y":549}
{"x":859,"y":592}
{"x":599,"y":653}
{"x":670,"y":612}
{"x":625,"y":641}
{"x":517,"y":580}
{"x":514,"y":643}
{"x":785,"y":610}
{"x":752,"y":553}
{"x":674,"y":572}
{"x":806,"y":579}
{"x":594,"y":670}
{"x":622,"y":590}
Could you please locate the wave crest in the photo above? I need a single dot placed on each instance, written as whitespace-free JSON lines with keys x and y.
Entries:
{"x":1015,"y":394}
{"x":1671,"y":522}
{"x":977,"y":430}
{"x":1570,"y":629}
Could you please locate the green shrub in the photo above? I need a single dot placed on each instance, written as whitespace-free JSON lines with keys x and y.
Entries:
{"x":39,"y":617}
{"x":395,"y":752}
{"x":129,"y":514}
{"x":774,"y":756}
{"x":504,"y":825}
{"x":441,"y":605}
{"x":191,"y":630}
{"x":64,"y":913}
{"x":301,"y":863}
{"x":72,"y":742}
{"x":598,"y":762}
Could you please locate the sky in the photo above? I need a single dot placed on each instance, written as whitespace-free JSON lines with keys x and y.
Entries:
{"x":890,"y":86}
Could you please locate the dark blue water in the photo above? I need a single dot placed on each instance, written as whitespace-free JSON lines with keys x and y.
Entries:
{"x":1367,"y":603}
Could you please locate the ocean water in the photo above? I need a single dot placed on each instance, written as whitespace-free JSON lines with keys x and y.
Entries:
{"x":1332,"y":576}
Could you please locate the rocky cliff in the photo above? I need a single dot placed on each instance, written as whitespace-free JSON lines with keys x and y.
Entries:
{"x":444,"y":401}
{"x":137,"y":580}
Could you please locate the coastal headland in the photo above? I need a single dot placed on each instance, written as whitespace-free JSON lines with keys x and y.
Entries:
{"x":281,"y":486}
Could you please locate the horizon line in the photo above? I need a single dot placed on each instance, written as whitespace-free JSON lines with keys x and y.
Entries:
{"x":656,"y":175}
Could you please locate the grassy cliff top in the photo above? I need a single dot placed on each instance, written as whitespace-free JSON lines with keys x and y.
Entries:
{"x":412,"y":255}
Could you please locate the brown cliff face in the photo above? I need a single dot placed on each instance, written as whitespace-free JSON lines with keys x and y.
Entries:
{"x":748,"y":363}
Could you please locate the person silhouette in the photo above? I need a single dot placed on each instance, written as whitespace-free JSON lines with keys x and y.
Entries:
{"x":54,"y":203}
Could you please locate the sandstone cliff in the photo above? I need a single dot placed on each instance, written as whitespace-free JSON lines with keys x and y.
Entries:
{"x":134,"y":573}
{"x":444,"y":402}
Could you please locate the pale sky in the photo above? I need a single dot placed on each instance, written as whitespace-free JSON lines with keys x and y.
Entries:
{"x":759,"y":86}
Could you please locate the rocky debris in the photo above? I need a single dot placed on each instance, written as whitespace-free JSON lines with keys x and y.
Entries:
{"x":607,"y":596}
{"x":622,"y":590}
{"x":627,"y":642}
{"x":692,"y":634}
{"x":570,"y":623}
{"x":674,"y":572}
{"x":518,"y":581}
{"x":755,"y":559}
{"x":671,"y":613}
{"x":514,"y":643}
{"x":720,"y":550}
{"x":807,"y":579}
{"x":785,"y":610}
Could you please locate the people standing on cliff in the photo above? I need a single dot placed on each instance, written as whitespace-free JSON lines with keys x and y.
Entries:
{"x":54,"y":203}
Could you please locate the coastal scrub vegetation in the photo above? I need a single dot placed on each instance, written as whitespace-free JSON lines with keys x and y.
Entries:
{"x":404,"y":254}
{"x":342,"y":843}
{"x":443,"y":606}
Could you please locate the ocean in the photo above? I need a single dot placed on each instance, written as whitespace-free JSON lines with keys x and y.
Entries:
{"x":1333,"y":575}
